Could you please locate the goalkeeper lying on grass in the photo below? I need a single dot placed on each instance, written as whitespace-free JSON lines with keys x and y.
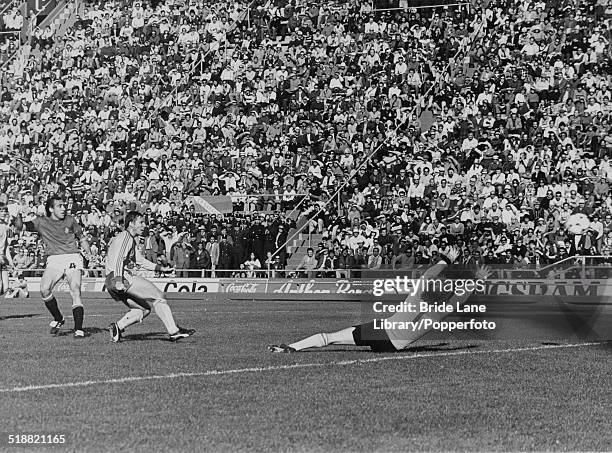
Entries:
{"x":392,"y":340}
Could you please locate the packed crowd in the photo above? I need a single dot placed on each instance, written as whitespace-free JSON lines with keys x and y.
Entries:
{"x":11,"y":23}
{"x":397,"y":133}
{"x":12,"y":19}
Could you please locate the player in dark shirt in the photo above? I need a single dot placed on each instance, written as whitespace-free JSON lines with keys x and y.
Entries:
{"x":62,"y":236}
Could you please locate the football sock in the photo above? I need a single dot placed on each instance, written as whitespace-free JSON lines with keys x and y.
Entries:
{"x":316,"y":341}
{"x":131,"y":317}
{"x":51,"y":304}
{"x":5,"y":281}
{"x":77,"y":313}
{"x":165,"y":314}
{"x":344,"y":336}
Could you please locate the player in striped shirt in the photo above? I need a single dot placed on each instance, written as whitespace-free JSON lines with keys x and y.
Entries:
{"x":61,"y":236}
{"x":389,"y":340}
{"x":139,"y":294}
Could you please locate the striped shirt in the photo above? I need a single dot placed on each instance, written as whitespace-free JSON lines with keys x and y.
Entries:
{"x":123,"y":255}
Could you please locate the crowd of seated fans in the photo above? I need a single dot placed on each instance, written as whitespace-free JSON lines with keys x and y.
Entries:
{"x":11,"y":23}
{"x":395,"y":133}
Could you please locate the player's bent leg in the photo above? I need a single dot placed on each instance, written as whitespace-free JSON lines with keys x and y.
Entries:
{"x":143,"y":294}
{"x":139,"y":308}
{"x":49,"y":279}
{"x":75,"y":278}
{"x":135,"y":315}
{"x":163,"y":311}
{"x":142,"y":290}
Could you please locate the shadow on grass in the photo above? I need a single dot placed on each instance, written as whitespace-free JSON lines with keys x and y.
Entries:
{"x":428,"y":348}
{"x":31,"y":315}
{"x":150,"y":336}
{"x":440,"y":347}
{"x":607,"y":344}
{"x":89,"y":331}
{"x":603,"y":343}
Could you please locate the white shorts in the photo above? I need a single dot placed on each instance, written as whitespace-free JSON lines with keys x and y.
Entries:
{"x":66,"y":262}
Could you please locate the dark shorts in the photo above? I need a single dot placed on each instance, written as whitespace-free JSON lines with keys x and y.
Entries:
{"x":376,"y":339}
{"x":142,"y":295}
{"x":120,"y":296}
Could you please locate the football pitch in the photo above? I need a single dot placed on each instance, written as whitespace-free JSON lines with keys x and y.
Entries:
{"x":220,"y":390}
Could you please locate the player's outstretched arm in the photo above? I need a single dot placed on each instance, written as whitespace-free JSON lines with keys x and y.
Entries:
{"x":149,"y":265}
{"x":449,"y":256}
{"x":482,"y":273}
{"x":85,"y":246}
{"x":29,"y":225}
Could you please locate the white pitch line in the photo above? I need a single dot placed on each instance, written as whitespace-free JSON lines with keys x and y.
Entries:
{"x":282,"y":367}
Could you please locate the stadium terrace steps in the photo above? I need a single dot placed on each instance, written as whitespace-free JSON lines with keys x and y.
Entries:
{"x":294,"y":245}
{"x":300,"y":246}
{"x":67,"y":18}
{"x":60,"y":20}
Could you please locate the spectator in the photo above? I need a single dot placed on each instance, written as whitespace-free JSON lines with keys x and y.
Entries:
{"x":225,"y":254}
{"x":152,"y":247}
{"x":272,"y":265}
{"x":252,"y":265}
{"x":308,"y":263}
{"x":202,"y":260}
{"x":212,"y":247}
{"x":180,"y":256}
{"x":375,"y":261}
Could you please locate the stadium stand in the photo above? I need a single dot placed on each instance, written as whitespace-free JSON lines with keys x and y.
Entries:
{"x":374,"y":136}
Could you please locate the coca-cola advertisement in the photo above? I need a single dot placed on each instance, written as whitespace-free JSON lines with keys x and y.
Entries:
{"x":295,"y":286}
{"x":243,"y":287}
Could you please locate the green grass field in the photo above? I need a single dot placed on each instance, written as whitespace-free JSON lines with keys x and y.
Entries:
{"x":222,"y":391}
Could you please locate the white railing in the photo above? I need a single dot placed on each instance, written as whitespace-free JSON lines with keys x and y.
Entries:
{"x":499,"y":272}
{"x":413,"y":9}
{"x":574,"y":262}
